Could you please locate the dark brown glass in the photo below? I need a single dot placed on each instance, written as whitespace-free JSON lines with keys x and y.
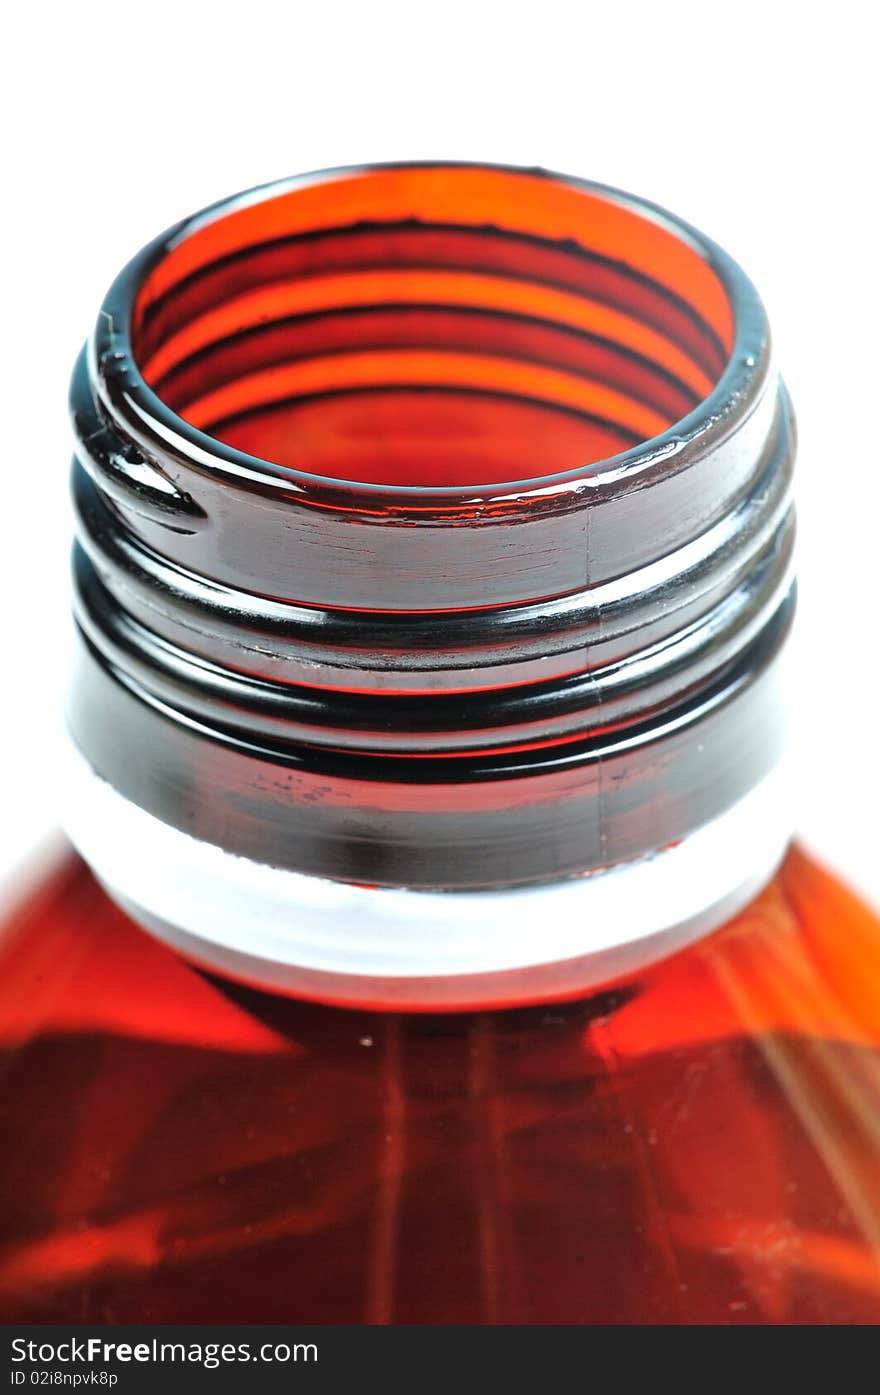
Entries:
{"x":434,"y":528}
{"x":434,"y":531}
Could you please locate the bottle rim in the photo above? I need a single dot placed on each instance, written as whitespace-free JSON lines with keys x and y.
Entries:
{"x":135,"y":405}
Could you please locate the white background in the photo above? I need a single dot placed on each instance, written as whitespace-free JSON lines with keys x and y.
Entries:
{"x":757,"y":122}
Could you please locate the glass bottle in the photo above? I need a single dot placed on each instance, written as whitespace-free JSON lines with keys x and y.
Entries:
{"x":435,"y":949}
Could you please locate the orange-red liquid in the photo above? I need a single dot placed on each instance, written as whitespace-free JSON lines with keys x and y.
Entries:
{"x":697,"y":1144}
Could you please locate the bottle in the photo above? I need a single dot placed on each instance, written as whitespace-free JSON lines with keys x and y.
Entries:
{"x":434,"y":949}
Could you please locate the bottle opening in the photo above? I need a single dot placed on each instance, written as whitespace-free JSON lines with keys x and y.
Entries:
{"x":433,"y":326}
{"x":434,"y":537}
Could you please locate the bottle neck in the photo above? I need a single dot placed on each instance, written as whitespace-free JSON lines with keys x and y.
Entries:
{"x":377,"y":947}
{"x":434,"y":535}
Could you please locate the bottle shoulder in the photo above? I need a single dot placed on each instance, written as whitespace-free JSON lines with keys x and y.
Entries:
{"x":181,"y":1142}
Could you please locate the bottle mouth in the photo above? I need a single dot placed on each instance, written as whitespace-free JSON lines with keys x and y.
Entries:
{"x":433,"y":528}
{"x":430,"y":327}
{"x":449,"y":349}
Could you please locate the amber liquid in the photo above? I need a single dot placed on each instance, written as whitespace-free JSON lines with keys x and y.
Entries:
{"x":698,"y":1144}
